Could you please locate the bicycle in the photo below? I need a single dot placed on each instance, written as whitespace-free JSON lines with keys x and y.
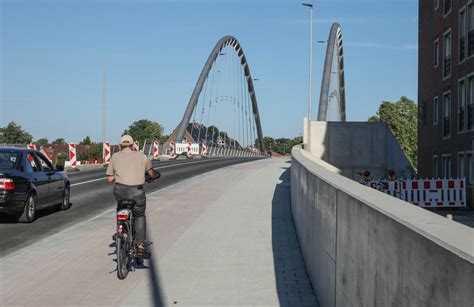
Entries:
{"x":126,"y":251}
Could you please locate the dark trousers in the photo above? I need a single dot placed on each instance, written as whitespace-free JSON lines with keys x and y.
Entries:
{"x":122,"y":192}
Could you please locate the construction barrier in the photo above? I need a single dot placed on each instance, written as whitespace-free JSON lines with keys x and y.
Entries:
{"x":204,"y":149}
{"x":172,"y":149}
{"x":189,"y":149}
{"x":72,"y":154}
{"x":156,"y":150}
{"x":181,"y":148}
{"x":46,"y":154}
{"x":136,"y":146}
{"x":106,"y":152}
{"x":428,"y":193}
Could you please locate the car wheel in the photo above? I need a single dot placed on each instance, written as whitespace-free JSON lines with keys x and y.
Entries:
{"x":29,"y":212}
{"x":66,"y":201}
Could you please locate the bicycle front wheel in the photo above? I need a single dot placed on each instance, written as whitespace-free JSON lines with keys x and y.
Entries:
{"x":122,"y":256}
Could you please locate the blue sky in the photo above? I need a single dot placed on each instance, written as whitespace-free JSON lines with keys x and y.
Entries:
{"x":52,"y":54}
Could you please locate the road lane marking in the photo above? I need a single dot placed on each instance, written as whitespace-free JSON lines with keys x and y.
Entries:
{"x":161,"y":167}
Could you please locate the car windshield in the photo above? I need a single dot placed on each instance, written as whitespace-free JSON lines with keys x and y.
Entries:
{"x":8,"y":159}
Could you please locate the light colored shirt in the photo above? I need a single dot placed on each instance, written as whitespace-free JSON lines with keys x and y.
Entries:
{"x":129,"y":167}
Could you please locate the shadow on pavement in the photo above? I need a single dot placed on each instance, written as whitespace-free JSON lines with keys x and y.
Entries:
{"x":292,"y":282}
{"x":155,"y":283}
{"x":12,"y":219}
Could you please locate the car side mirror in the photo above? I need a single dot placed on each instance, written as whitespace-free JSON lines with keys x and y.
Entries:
{"x":59,"y":168}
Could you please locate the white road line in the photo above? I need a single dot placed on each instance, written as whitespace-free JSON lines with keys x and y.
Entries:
{"x":162,"y":167}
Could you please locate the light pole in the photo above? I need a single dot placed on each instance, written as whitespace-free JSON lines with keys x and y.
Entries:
{"x":310,"y":71}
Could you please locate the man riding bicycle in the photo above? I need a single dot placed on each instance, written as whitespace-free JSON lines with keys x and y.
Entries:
{"x":128,"y":168}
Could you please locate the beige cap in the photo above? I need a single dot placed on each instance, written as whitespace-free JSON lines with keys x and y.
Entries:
{"x":126,"y":140}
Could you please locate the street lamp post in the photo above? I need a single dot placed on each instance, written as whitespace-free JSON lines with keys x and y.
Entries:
{"x":310,"y":71}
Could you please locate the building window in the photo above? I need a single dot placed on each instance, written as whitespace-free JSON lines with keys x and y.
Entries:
{"x":435,"y":110}
{"x":447,"y":7}
{"x":436,"y":53}
{"x":462,"y":35}
{"x":447,"y":115}
{"x":462,"y":105}
{"x":447,"y":55}
{"x":461,"y":165}
{"x":470,"y":30}
{"x":470,"y":169}
{"x":436,"y":4}
{"x":470,"y":105}
{"x":435,"y":166}
{"x":447,"y":166}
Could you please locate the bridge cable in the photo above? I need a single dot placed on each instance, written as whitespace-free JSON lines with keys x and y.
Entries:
{"x":210,"y":102}
{"x":203,"y":108}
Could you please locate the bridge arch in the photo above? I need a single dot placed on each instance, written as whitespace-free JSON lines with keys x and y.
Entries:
{"x":333,"y":73}
{"x":225,"y":41}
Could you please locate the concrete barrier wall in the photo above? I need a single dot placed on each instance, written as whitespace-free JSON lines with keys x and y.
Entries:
{"x":364,"y":248}
{"x":357,"y":146}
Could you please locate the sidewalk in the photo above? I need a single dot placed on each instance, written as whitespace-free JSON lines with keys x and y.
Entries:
{"x":223,"y":238}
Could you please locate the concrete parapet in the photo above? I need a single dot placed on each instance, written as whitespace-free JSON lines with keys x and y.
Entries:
{"x":364,"y":248}
{"x":355,"y":147}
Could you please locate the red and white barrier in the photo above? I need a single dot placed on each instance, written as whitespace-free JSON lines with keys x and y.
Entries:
{"x":172,"y":149}
{"x":189,"y":149}
{"x":435,"y":192}
{"x":156,"y":150}
{"x":72,"y":154}
{"x":106,"y":153}
{"x":204,"y":149}
{"x":136,"y":146}
{"x":428,"y":193}
{"x":32,"y":147}
{"x":46,"y":154}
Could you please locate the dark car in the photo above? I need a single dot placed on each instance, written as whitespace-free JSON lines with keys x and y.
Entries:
{"x":29,"y":182}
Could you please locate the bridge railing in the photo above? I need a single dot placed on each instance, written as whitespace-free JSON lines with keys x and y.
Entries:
{"x":364,"y":248}
{"x":197,"y":150}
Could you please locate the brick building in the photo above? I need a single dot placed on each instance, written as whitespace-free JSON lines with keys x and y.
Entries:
{"x":446,"y":90}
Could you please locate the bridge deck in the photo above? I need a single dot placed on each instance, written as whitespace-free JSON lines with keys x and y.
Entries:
{"x":223,"y":238}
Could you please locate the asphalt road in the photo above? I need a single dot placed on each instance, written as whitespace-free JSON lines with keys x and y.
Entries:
{"x":91,"y":195}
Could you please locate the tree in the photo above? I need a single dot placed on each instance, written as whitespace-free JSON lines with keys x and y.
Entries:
{"x":401,"y":117}
{"x":213,"y":132}
{"x":59,"y":141}
{"x":144,"y":129}
{"x":164,"y":138}
{"x":86,"y":141}
{"x":268,"y":142}
{"x":14,"y":134}
{"x":42,"y":141}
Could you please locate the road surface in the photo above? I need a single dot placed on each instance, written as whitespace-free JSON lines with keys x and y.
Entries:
{"x":91,"y":195}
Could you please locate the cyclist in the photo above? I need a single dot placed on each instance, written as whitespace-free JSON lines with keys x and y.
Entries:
{"x":128,"y":168}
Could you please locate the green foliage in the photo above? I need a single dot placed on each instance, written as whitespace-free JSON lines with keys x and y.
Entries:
{"x":62,"y":157}
{"x":213,"y":131}
{"x":282,"y":146}
{"x":86,"y":141}
{"x":94,"y":153}
{"x":59,"y":141}
{"x":14,"y":134}
{"x":42,"y":141}
{"x":145,"y":129}
{"x":401,"y":117}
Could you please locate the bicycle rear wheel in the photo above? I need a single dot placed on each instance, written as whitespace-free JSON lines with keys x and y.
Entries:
{"x":123,"y":246}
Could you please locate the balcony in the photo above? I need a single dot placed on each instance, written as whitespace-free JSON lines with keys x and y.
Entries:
{"x":447,"y":66}
{"x":447,"y":126}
